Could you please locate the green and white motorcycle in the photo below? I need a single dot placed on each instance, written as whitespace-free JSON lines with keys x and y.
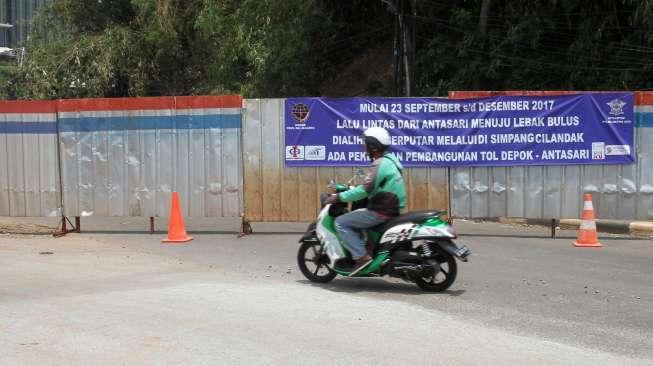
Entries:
{"x":417,"y":247}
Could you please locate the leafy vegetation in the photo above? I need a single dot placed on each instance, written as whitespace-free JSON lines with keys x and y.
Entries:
{"x":555,"y":44}
{"x":275,"y":48}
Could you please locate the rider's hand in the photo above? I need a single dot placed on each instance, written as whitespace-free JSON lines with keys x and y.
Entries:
{"x":333,"y":198}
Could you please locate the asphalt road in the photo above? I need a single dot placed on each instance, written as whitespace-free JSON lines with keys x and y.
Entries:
{"x":125,"y":298}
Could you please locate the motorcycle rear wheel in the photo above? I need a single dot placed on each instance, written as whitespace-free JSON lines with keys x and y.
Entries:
{"x":442,"y":280}
{"x":314,"y":263}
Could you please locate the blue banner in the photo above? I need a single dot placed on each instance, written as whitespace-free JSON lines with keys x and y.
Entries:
{"x":590,"y":128}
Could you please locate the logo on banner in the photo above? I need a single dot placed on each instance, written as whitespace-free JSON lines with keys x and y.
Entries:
{"x":300,"y":113}
{"x":294,"y":152}
{"x":615,"y":150}
{"x":616,"y":107}
{"x":598,"y":150}
{"x":617,"y":114}
{"x":315,"y":152}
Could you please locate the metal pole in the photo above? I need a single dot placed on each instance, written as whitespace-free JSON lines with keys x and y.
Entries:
{"x":61,"y":201}
{"x":245,"y":226}
{"x":449,"y":208}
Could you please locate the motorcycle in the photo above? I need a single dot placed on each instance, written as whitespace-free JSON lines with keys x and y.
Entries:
{"x":416,"y":247}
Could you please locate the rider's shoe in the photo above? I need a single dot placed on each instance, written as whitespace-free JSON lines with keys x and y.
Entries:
{"x":361,"y":263}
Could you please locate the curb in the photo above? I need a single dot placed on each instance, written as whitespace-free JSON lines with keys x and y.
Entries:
{"x":636,"y":228}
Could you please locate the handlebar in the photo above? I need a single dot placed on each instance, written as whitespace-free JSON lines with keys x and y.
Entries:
{"x":340,"y":187}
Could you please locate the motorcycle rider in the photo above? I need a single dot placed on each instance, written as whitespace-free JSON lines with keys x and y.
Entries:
{"x":383,"y":187}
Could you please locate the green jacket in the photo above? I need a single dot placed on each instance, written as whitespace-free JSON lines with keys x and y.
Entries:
{"x":383,"y":186}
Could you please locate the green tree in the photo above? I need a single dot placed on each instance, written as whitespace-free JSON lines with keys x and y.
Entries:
{"x":551,"y":45}
{"x":278,"y":48}
{"x":265,"y":47}
{"x":173,"y":47}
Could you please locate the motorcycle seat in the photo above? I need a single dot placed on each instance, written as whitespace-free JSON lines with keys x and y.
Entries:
{"x":414,"y":217}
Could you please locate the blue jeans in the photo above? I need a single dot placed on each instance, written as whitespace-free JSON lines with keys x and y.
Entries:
{"x":349,"y":228}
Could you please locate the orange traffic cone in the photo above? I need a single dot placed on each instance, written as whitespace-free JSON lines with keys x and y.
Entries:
{"x":587,"y":235}
{"x":176,"y":228}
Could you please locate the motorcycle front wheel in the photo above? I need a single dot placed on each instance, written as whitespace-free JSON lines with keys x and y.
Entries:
{"x":314,"y":263}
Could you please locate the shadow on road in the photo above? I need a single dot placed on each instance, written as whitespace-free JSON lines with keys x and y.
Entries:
{"x":568,"y":237}
{"x":362,"y":285}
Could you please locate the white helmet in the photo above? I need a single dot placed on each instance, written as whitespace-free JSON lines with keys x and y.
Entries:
{"x":377,"y":138}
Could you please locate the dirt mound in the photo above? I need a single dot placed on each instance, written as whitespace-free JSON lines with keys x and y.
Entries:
{"x":25,"y":228}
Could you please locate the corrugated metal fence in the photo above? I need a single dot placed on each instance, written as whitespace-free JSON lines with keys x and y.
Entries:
{"x":619,"y":191}
{"x":28,"y":159}
{"x":274,"y":192}
{"x":121,"y":157}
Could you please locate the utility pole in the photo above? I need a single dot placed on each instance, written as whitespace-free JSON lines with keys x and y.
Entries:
{"x":404,"y":45}
{"x":396,"y":45}
{"x":406,"y":50}
{"x":409,"y":56}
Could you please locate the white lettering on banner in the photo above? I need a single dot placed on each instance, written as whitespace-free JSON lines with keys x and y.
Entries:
{"x":489,"y":155}
{"x":511,"y":105}
{"x":446,"y":156}
{"x":505,"y":122}
{"x":385,"y":123}
{"x":445,"y":123}
{"x":347,"y":140}
{"x":337,"y":156}
{"x":357,"y":156}
{"x":517,"y":155}
{"x":491,"y":122}
{"x":373,"y":108}
{"x":540,"y":138}
{"x":409,"y":125}
{"x":355,"y":124}
{"x":348,"y":123}
{"x":529,"y":122}
{"x":413,"y":140}
{"x":565,"y":154}
{"x":563,"y":121}
{"x":432,"y":108}
{"x":462,"y":140}
{"x":479,"y":139}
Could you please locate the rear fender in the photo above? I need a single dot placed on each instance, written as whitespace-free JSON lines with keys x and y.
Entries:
{"x":460,"y":252}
